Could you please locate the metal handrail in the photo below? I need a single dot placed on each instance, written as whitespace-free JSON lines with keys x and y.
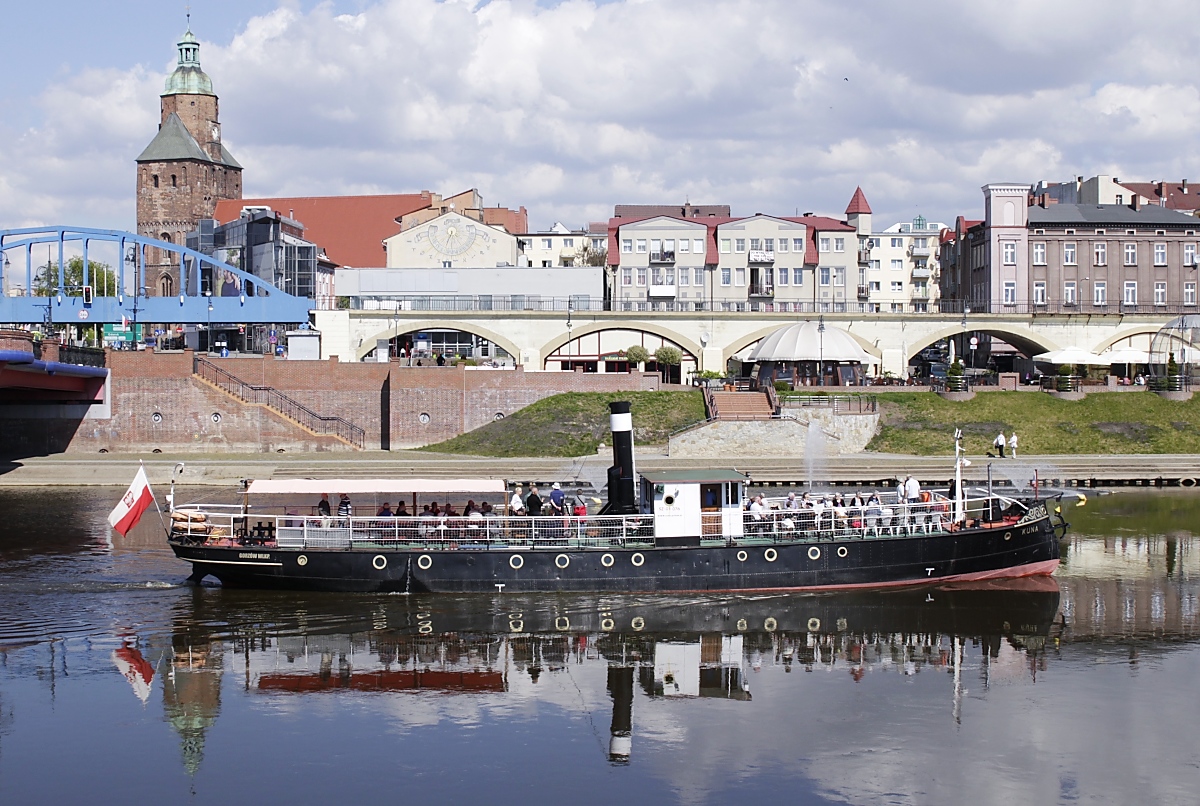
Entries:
{"x":273,"y":399}
{"x":841,"y":404}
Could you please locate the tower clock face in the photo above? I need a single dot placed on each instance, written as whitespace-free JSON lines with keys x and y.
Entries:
{"x":452,"y":239}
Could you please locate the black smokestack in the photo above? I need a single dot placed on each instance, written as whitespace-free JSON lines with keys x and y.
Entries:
{"x":620,"y":475}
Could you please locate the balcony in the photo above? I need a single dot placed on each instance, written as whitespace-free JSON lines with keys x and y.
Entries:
{"x":662,"y":257}
{"x":920,"y":294}
{"x":921,"y":273}
{"x":661,"y":291}
{"x":761,"y":256}
{"x":864,"y":292}
{"x":864,"y":256}
{"x":921,"y":251}
{"x":762,"y":290}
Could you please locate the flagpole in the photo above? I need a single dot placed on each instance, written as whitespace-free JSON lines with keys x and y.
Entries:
{"x":154,"y":498}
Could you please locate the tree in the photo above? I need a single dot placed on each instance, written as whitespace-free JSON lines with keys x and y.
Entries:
{"x":668,"y":356}
{"x":101,"y":278}
{"x":637,"y":355}
{"x":587,"y":256}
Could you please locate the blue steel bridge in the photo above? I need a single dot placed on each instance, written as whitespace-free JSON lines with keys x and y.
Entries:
{"x":31,"y":297}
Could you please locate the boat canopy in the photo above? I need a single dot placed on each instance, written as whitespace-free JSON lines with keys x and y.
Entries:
{"x":364,"y":486}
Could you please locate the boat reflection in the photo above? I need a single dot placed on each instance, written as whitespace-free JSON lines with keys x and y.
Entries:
{"x":664,"y":647}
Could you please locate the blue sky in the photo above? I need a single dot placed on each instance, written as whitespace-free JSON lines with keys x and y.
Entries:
{"x":570,"y":107}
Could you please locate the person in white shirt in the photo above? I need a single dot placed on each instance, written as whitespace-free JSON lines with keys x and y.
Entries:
{"x":516,"y":505}
{"x":912,"y":490}
{"x":758,"y":511}
{"x":998,"y":444}
{"x":1012,"y":445}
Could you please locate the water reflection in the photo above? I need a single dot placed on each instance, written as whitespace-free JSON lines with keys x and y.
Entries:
{"x":1074,"y":688}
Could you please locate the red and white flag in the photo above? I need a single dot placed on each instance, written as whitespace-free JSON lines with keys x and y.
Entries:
{"x":131,"y":506}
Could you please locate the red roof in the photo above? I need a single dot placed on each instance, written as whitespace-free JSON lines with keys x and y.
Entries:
{"x":814,"y":224}
{"x":350,"y":229}
{"x":1178,"y":195}
{"x":858,"y":203}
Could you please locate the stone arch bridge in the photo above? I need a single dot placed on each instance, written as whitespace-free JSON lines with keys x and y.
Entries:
{"x":712,"y":338}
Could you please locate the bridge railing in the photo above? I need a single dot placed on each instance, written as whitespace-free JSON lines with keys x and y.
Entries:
{"x":274,"y":399}
{"x":585,"y":304}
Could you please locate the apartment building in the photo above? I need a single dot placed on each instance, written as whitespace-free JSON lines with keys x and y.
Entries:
{"x":557,"y":246}
{"x":1089,"y":258}
{"x":902,"y":274}
{"x":804,"y":263}
{"x":1102,"y":189}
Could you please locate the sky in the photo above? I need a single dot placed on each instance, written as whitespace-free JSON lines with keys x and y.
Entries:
{"x":570,"y":107}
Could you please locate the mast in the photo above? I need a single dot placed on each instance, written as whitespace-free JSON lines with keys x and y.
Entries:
{"x":960,"y":461}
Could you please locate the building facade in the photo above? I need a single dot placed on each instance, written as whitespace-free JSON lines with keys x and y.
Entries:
{"x":902,"y":275}
{"x":185,"y":170}
{"x":1072,"y":258}
{"x":558,"y":246}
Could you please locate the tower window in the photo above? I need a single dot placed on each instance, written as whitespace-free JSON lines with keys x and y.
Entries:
{"x":156,"y":180}
{"x":173,"y":183}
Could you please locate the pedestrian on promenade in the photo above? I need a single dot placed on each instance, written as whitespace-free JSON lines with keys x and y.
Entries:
{"x":999,"y":443}
{"x":1012,"y":445}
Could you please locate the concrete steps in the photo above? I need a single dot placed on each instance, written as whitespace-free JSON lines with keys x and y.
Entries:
{"x":742,"y":406}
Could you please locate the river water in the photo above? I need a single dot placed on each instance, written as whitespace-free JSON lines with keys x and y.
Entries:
{"x":119,"y":683}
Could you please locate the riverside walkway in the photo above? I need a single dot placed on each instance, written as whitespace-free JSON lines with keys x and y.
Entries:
{"x":590,"y":472}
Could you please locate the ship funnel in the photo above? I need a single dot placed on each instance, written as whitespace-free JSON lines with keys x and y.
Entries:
{"x":621,"y":500}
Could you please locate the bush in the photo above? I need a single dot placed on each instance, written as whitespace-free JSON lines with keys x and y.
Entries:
{"x":955,"y":370}
{"x":669,"y":356}
{"x":782,"y":386}
{"x":1064,"y":371}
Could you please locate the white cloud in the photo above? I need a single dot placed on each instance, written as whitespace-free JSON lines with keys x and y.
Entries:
{"x":768,"y":105}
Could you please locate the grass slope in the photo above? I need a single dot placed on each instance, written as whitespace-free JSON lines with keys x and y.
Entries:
{"x":1130,"y":422}
{"x":574,"y":424}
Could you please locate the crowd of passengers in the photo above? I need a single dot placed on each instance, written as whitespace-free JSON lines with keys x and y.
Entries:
{"x":857,"y":510}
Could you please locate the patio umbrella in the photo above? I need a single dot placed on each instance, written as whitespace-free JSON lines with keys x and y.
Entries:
{"x":1072,"y":355}
{"x":1127,"y":356}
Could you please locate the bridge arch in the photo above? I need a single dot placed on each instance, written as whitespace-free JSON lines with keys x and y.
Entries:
{"x":1023,"y":339}
{"x":742,"y":342}
{"x":650,"y":328}
{"x":391,"y":331}
{"x":1148,"y":330}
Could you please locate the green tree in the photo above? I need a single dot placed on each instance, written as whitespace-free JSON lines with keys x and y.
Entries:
{"x":591,"y":257}
{"x":101,"y":278}
{"x":637,"y":354}
{"x":668,"y":356}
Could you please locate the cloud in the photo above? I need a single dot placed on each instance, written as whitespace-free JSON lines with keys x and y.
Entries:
{"x":569,"y":108}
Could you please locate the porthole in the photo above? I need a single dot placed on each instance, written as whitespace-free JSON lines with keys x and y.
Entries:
{"x":216,"y":417}
{"x":156,"y":417}
{"x":638,"y":623}
{"x":516,"y":625}
{"x":637,"y":559}
{"x":302,"y":561}
{"x":562,"y":561}
{"x":424,"y":562}
{"x":770,"y":555}
{"x":741,"y":555}
{"x":1008,"y":535}
{"x":607,"y":625}
{"x":814,"y":553}
{"x":741,"y":625}
{"x":842,"y":551}
{"x":424,"y":418}
{"x":379,"y":562}
{"x":770,"y":624}
{"x":516,"y":561}
{"x":498,"y":416}
{"x":814,"y":625}
{"x":607,"y":560}
{"x":562,"y":623}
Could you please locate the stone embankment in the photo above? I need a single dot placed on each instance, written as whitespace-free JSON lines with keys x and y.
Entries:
{"x":588,"y":473}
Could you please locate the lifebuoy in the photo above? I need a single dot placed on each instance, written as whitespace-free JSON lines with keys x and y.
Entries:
{"x":379,"y":562}
{"x":926,"y":497}
{"x":562,"y":561}
{"x":424,"y":562}
{"x":770,"y":555}
{"x":516,"y":561}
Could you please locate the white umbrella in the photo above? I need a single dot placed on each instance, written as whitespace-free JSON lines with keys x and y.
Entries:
{"x":1072,"y":355}
{"x":1127,"y":355}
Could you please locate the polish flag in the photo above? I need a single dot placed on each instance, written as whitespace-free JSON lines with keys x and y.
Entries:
{"x":131,"y":506}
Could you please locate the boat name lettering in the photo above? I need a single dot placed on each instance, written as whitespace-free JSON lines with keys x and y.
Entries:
{"x":252,"y":555}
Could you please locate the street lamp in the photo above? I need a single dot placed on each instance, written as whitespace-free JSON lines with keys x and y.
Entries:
{"x":209,"y":344}
{"x":966,"y":310}
{"x":570,"y":309}
{"x":821,"y":336}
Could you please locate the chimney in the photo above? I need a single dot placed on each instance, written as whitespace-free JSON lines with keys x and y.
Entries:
{"x":1136,"y":204}
{"x":1183,"y":185}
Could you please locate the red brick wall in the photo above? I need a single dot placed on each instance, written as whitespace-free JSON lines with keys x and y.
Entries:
{"x":456,"y":399}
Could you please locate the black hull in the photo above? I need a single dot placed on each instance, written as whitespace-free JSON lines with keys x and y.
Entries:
{"x":1029,"y":548}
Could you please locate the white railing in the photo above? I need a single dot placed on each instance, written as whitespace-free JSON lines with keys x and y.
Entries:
{"x":307,"y":532}
{"x":888,"y":518}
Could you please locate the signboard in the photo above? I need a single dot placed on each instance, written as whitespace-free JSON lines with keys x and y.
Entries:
{"x":118,"y":332}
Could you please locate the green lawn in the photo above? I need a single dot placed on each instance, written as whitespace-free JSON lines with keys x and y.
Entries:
{"x":1115,"y":422}
{"x":574,"y":424}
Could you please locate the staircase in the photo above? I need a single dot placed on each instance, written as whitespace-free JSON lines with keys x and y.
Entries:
{"x":278,"y":402}
{"x":740,"y":406}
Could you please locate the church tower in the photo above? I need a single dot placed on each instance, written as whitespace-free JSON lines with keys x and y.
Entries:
{"x":185,"y":170}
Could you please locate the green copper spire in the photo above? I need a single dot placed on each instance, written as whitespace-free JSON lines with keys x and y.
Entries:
{"x":188,"y":78}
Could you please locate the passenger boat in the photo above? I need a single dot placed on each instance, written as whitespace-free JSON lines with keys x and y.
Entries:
{"x":673,"y":531}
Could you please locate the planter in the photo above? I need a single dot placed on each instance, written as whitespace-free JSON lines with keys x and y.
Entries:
{"x":955,"y":396}
{"x":1174,"y":395}
{"x":957,"y":383}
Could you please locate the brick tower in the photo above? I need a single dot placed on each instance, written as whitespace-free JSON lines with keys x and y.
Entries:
{"x":185,"y":170}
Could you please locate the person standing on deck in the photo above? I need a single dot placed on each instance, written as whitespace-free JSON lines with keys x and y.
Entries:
{"x":556,"y":500}
{"x":998,"y":443}
{"x":533,"y":501}
{"x":912,"y":490}
{"x":516,"y":506}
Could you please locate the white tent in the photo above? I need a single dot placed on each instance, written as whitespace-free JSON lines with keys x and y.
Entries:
{"x":1126,"y":355}
{"x":806,"y":341}
{"x":1073,"y":355}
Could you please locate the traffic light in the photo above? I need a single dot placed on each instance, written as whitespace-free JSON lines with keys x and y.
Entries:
{"x":87,"y":295}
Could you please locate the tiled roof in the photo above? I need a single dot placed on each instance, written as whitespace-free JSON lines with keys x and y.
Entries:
{"x":350,"y":229}
{"x":1178,"y":195}
{"x":858,"y":203}
{"x":173,"y":142}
